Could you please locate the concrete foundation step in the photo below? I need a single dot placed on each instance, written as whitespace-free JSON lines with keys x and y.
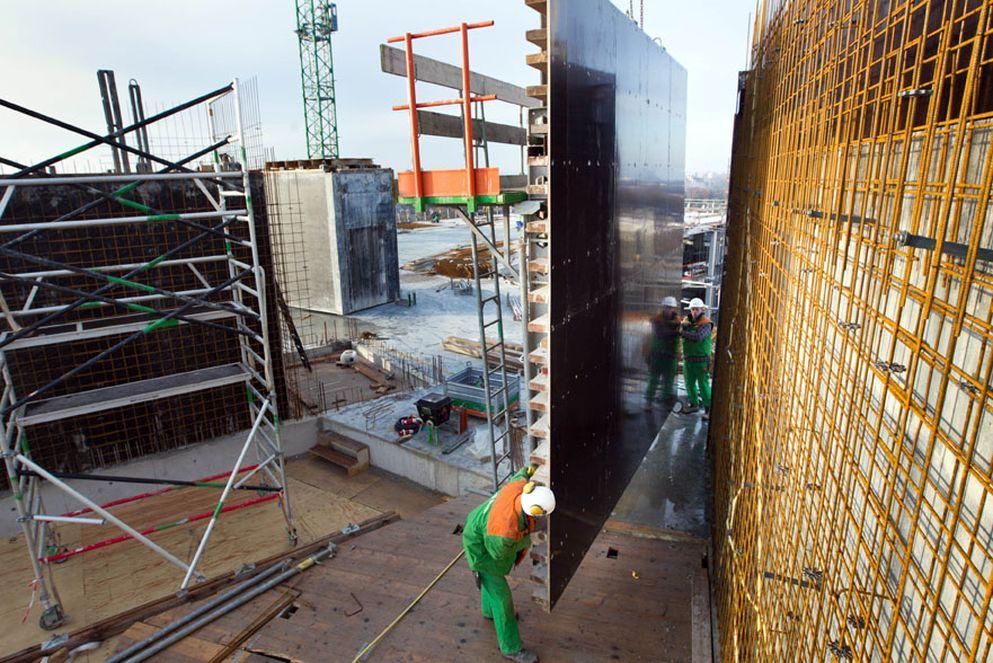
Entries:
{"x":344,"y":452}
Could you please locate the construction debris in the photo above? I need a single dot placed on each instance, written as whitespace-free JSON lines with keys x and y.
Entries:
{"x":470,"y":348}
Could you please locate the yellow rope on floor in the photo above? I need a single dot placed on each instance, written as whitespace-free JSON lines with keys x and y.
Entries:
{"x":368,"y":648}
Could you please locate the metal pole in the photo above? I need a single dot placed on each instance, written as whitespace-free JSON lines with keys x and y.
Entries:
{"x":104,"y":79}
{"x":138,"y":115}
{"x":224,"y":495}
{"x":135,"y":178}
{"x":11,"y":434}
{"x":470,"y":170}
{"x":96,"y":508}
{"x":238,"y":601}
{"x":525,"y":390}
{"x":482,"y":346}
{"x":259,"y":273}
{"x":415,"y":147}
{"x":202,"y":610}
{"x":97,"y":140}
{"x":155,"y":324}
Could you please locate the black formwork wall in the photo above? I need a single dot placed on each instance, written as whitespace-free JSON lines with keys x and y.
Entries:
{"x":118,"y":435}
{"x":617,"y":105}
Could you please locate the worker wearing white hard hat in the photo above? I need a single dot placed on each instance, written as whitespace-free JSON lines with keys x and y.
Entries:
{"x":662,"y":353}
{"x":696,"y":333}
{"x":496,"y":538}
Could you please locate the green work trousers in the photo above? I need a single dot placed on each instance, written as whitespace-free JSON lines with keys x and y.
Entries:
{"x":662,"y":370}
{"x":697,"y":378}
{"x":498,"y":605}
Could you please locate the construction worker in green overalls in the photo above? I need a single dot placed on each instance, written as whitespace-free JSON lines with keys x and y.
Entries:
{"x":496,"y":538}
{"x":697,"y":348}
{"x":662,"y":353}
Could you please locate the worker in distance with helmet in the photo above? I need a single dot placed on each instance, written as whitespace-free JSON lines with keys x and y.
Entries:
{"x":697,"y":350}
{"x":662,"y":353}
{"x":496,"y":538}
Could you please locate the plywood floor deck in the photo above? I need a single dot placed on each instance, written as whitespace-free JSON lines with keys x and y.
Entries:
{"x":641,"y":604}
{"x":105,"y":582}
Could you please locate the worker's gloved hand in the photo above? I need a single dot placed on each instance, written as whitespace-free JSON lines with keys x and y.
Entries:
{"x":521,"y":554}
{"x":530,"y":470}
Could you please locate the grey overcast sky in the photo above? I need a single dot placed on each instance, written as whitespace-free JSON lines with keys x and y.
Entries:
{"x":178,"y":49}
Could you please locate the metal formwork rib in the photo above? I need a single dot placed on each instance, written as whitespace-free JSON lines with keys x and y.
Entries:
{"x":852,"y":423}
{"x":234,"y":306}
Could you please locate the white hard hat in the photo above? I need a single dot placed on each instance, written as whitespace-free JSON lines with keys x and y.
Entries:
{"x":696,"y":302}
{"x":537,"y":500}
{"x":670,"y":301}
{"x":348,"y":356}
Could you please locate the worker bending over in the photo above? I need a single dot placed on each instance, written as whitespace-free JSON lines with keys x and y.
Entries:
{"x":496,"y":538}
{"x":662,"y":353}
{"x":697,"y":348}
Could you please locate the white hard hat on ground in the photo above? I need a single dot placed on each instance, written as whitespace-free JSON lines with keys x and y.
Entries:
{"x":537,"y":500}
{"x":696,"y":302}
{"x":670,"y":301}
{"x":349,"y":357}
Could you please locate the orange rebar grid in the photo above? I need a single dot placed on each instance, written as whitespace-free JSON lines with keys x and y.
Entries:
{"x":466,"y":102}
{"x":853,"y":423}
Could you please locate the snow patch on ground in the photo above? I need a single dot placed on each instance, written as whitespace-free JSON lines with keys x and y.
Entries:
{"x":439,"y":312}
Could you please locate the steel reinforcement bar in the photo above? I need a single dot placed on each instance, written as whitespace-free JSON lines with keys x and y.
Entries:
{"x":853,"y":426}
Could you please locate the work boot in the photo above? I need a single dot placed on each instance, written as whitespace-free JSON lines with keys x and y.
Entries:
{"x":522,"y":656}
{"x":706,"y":414}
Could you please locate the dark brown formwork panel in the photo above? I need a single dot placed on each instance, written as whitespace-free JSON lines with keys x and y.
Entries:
{"x":617,"y":105}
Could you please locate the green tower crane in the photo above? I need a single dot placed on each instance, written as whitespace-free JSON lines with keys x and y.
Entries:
{"x":316,"y":20}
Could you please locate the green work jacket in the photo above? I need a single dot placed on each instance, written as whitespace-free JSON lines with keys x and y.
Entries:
{"x":497,"y":531}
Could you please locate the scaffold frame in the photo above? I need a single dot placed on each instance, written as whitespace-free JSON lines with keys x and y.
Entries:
{"x":235,"y":306}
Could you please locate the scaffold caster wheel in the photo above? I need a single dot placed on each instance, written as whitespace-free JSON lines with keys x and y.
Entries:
{"x":52,"y":618}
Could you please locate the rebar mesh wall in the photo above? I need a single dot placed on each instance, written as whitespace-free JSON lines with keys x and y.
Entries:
{"x":853,"y":426}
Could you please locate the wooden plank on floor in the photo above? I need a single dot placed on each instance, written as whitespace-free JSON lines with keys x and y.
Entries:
{"x":702,"y":633}
{"x":628,"y":607}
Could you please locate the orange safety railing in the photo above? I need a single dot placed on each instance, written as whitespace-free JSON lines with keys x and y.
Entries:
{"x":464,"y":183}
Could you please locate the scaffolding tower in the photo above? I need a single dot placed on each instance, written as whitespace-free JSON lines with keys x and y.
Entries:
{"x":74,"y":295}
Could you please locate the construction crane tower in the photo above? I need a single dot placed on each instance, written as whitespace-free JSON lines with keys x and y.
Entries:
{"x":316,"y":20}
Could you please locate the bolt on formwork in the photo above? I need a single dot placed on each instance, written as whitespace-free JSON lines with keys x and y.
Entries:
{"x":137,"y":309}
{"x":852,"y":415}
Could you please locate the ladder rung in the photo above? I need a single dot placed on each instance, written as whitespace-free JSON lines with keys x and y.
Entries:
{"x":228,"y":193}
{"x":491,"y":298}
{"x":491,"y":323}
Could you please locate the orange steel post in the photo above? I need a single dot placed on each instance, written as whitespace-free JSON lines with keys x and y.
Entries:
{"x":415,"y":147}
{"x":467,"y":120}
{"x":440,"y":31}
{"x":446,"y":102}
{"x":466,"y":102}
